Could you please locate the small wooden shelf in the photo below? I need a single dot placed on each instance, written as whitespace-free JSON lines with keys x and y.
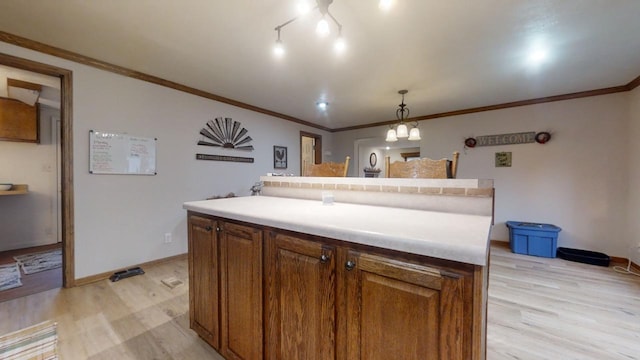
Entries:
{"x":17,"y":189}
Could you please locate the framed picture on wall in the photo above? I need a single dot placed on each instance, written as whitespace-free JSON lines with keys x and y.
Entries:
{"x":279,"y":157}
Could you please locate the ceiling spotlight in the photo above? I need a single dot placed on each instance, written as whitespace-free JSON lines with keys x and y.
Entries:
{"x":322,"y":28}
{"x":322,"y":105}
{"x":339,"y":46}
{"x":385,"y":4}
{"x":304,"y":7}
{"x":278,"y":49}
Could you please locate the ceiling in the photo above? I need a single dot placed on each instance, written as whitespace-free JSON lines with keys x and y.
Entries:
{"x":450,"y":55}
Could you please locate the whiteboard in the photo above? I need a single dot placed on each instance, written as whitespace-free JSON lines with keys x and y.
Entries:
{"x":114,"y":153}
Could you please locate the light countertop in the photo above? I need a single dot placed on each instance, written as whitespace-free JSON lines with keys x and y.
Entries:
{"x":457,"y":237}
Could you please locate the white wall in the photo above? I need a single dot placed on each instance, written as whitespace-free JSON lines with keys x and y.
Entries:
{"x":578,"y":180}
{"x":363,"y":147}
{"x":633,"y":212}
{"x":394,"y":154}
{"x":120,"y":220}
{"x":29,"y":220}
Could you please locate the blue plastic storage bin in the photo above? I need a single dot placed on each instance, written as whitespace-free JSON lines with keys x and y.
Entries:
{"x":533,"y":239}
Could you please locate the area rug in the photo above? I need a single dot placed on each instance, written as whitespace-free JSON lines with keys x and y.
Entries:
{"x":41,"y":261}
{"x":9,"y":276}
{"x":37,"y":342}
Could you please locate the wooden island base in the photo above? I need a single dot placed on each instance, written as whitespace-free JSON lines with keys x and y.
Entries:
{"x":258,"y":292}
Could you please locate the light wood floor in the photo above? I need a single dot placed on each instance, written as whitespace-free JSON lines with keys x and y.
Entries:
{"x":542,"y":308}
{"x":538,"y":309}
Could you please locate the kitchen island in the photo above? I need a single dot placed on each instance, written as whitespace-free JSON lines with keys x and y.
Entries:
{"x":287,"y":277}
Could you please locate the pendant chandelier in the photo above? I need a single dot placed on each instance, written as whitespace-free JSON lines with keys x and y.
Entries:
{"x":401,"y":131}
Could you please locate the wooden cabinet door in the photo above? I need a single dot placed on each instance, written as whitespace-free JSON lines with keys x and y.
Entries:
{"x":241,"y":291}
{"x":301,"y":289}
{"x":400,"y":310}
{"x":204,"y":310}
{"x":19,"y":121}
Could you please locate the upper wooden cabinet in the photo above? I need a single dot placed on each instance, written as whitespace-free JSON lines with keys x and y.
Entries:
{"x":18,"y":121}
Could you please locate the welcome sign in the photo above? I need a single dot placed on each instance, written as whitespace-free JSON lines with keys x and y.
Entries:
{"x":506,"y":139}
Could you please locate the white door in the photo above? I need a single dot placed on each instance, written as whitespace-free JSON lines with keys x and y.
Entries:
{"x":307,"y":152}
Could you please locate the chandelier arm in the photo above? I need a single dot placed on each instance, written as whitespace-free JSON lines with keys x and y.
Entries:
{"x":285,"y":24}
{"x":400,"y":113}
{"x":277,"y":28}
{"x":335,"y":21}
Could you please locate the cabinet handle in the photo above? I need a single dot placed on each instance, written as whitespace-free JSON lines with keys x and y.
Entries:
{"x":208,"y":228}
{"x":218,"y":228}
{"x":324,"y":258}
{"x":349,"y":265}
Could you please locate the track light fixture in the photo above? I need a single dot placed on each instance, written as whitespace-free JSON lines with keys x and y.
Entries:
{"x":322,"y":29}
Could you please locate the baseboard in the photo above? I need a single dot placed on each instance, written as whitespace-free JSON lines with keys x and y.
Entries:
{"x":500,"y":243}
{"x":634,"y":266}
{"x":624,"y":262}
{"x":618,"y":260}
{"x":106,"y":275}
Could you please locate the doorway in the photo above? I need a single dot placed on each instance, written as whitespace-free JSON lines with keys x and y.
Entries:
{"x":64,"y":160}
{"x":310,"y":150}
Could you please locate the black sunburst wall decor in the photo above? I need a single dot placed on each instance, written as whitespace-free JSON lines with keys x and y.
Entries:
{"x":225,"y":133}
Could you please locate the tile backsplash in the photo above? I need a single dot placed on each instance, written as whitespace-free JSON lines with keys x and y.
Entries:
{"x":468,"y":196}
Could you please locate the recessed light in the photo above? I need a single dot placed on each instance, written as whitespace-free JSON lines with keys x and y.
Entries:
{"x":322,"y":105}
{"x":538,"y":52}
{"x":538,"y":56}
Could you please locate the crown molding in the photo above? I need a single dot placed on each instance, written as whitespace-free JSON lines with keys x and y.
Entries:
{"x":633,"y":84}
{"x":547,"y":99}
{"x":68,"y":55}
{"x":102,"y":65}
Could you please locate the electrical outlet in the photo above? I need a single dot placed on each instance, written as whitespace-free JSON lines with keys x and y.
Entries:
{"x":167,"y":238}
